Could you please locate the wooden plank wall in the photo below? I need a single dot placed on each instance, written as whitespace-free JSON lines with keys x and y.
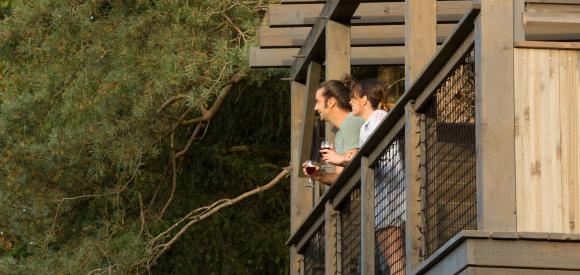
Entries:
{"x":552,"y":20}
{"x":547,"y":116}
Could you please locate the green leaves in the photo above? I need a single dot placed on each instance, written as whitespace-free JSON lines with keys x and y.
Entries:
{"x":81,"y":83}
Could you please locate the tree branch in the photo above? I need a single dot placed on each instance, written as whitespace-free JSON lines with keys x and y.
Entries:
{"x":237,"y":78}
{"x":199,"y":215}
{"x":174,"y":179}
{"x":169,"y":101}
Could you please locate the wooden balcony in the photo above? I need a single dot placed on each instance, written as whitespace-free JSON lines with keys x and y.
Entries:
{"x":476,"y":170}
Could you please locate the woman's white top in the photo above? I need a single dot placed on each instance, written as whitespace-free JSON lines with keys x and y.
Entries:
{"x":370,"y":125}
{"x":390,"y":190}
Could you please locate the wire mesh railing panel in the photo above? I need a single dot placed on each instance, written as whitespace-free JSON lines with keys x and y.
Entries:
{"x":390,"y":208}
{"x":350,"y":233}
{"x":449,"y":148}
{"x":314,"y":254}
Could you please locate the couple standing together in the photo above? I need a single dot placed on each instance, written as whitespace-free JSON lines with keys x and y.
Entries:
{"x":353,"y":107}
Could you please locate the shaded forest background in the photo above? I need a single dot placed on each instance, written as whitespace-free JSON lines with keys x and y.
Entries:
{"x":118,"y":118}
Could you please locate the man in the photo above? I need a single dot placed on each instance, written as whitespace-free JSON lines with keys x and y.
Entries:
{"x":332,"y":103}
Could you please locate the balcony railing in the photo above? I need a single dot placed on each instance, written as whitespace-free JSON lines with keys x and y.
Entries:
{"x":441,"y":140}
{"x":314,"y":253}
{"x":448,"y":123}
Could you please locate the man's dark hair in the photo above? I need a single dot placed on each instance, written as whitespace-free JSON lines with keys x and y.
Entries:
{"x":338,"y":90}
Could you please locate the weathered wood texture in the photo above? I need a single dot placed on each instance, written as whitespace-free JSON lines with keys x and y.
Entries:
{"x":420,"y":36}
{"x":494,"y":117}
{"x":513,"y":271}
{"x":330,"y":241}
{"x":367,"y":13}
{"x":546,"y":21}
{"x":412,"y":158}
{"x":300,"y":196}
{"x":547,"y":45}
{"x":367,"y":225}
{"x":308,"y":117}
{"x":283,"y":57}
{"x":505,"y":254}
{"x":338,"y":60}
{"x":547,"y":86}
{"x":377,"y":35}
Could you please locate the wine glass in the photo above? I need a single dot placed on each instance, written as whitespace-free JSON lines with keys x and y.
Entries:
{"x":325,"y":144}
{"x":311,"y":167}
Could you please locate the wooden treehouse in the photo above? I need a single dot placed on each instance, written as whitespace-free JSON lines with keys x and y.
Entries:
{"x":483,"y":144}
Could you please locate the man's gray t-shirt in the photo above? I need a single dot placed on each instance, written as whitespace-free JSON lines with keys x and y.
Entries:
{"x":347,"y":137}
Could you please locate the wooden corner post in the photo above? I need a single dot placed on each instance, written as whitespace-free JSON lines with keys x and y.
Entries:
{"x":420,"y":36}
{"x":413,"y":184}
{"x":337,"y":51}
{"x":337,"y":41}
{"x":300,"y":195}
{"x":494,"y":96}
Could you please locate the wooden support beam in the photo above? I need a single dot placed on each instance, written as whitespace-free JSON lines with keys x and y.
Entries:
{"x":300,"y":196}
{"x":495,"y":142}
{"x":367,"y":13}
{"x":376,"y":35}
{"x":307,"y":130}
{"x":420,"y":36}
{"x":313,"y":47}
{"x":337,"y":59}
{"x":367,"y":223}
{"x":413,"y":184}
{"x":337,"y":50}
{"x":360,"y":56}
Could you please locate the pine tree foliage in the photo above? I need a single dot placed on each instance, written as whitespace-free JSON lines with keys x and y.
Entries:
{"x":85,"y":152}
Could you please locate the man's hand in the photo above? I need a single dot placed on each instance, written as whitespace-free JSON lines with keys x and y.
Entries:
{"x":317,"y":175}
{"x":332,"y":157}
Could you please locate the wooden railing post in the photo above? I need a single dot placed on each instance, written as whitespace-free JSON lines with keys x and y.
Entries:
{"x":413,"y":180}
{"x":420,"y":36}
{"x":330,"y":240}
{"x":367,"y":200}
{"x":300,"y":195}
{"x":495,"y":109}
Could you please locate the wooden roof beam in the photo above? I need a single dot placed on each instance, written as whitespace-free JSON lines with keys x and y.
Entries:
{"x":376,"y":35}
{"x":366,"y":13}
{"x":313,"y":47}
{"x":360,"y":56}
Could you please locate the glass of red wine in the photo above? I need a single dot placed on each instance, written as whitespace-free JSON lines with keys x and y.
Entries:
{"x":311,"y":167}
{"x":325,"y":144}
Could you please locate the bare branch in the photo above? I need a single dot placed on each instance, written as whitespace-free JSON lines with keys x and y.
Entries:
{"x":142,"y":211}
{"x":203,"y":213}
{"x":174,"y":179}
{"x":190,"y":141}
{"x":107,"y":269}
{"x":240,"y":32}
{"x":169,"y":101}
{"x":237,"y":78}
